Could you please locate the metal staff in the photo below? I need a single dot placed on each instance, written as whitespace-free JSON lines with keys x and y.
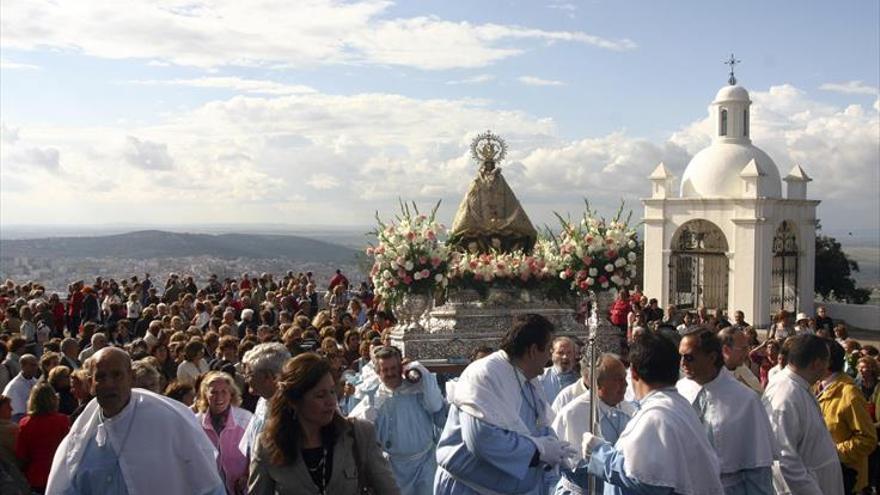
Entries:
{"x":593,"y":347}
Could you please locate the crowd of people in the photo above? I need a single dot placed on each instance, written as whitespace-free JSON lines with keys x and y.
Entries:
{"x":265,"y":385}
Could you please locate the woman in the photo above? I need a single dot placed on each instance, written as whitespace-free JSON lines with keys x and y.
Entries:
{"x":782,"y":326}
{"x":766,"y":356}
{"x":181,"y":392}
{"x":11,"y":479}
{"x":224,"y":423}
{"x":59,"y":379}
{"x":41,"y":431}
{"x":307,"y":447}
{"x":193,"y":363}
{"x":58,"y":315}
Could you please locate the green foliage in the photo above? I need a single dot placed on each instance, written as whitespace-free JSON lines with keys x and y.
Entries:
{"x":834,"y":273}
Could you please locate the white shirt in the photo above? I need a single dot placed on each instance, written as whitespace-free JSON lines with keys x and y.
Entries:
{"x":568,"y":394}
{"x":18,"y":390}
{"x":188,"y":372}
{"x":745,"y":375}
{"x":573,"y":420}
{"x":808,"y":461}
{"x":735,"y":421}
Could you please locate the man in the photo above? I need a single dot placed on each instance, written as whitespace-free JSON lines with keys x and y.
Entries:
{"x":823,"y":320}
{"x":739,"y":320}
{"x":809,"y":463}
{"x":686,"y":323}
{"x":846,"y":415}
{"x":262,"y":367}
{"x":574,"y":390}
{"x":19,"y":388}
{"x":572,"y":421}
{"x":561,"y":374}
{"x":664,"y":448}
{"x":733,"y":416}
{"x":735,"y":348}
{"x":99,"y":341}
{"x":113,"y":447}
{"x":338,"y":279}
{"x":671,"y":317}
{"x":653,"y":312}
{"x":153,"y":334}
{"x":407,"y":417}
{"x":497,"y":437}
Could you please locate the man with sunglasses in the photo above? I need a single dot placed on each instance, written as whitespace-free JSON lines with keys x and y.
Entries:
{"x":732,"y":414}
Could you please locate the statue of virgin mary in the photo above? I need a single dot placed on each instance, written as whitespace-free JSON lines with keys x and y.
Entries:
{"x":490,"y":217}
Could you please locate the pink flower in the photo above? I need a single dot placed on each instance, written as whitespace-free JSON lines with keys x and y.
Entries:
{"x":423,"y":260}
{"x":603,"y":279}
{"x":401,"y":272}
{"x":410,"y":236}
{"x":407,"y":280}
{"x":435,"y":262}
{"x":431,"y":235}
{"x":370,"y":251}
{"x":588,"y":260}
{"x":425,"y":273}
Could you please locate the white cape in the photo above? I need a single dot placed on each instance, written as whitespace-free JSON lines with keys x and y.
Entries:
{"x":665,"y":444}
{"x":166,"y":450}
{"x":490,"y":390}
{"x":740,"y":426}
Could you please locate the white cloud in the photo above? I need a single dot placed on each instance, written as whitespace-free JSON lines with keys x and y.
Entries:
{"x":6,"y":64}
{"x":537,"y":81}
{"x":850,"y":87}
{"x":270,"y":33}
{"x":337,"y":159}
{"x":147,"y":155}
{"x":250,"y":86}
{"x":323,"y":182}
{"x":478,"y":79}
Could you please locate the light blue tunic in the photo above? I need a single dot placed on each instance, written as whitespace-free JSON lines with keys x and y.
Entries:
{"x":98,"y":473}
{"x":488,"y":456}
{"x":407,"y":427}
{"x":606,"y":463}
{"x":611,"y":423}
{"x":553,"y":382}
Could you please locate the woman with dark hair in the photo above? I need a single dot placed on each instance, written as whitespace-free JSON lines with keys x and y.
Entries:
{"x":41,"y":431}
{"x":307,"y":447}
{"x":194,"y":363}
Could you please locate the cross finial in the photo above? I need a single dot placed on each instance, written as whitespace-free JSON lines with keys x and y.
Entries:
{"x":732,"y":61}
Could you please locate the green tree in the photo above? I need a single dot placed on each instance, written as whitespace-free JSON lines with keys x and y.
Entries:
{"x":834,"y":273}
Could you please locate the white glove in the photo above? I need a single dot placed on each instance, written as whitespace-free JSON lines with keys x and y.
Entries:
{"x":553,"y":451}
{"x":589,"y":443}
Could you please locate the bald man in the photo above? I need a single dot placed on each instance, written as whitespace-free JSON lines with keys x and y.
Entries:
{"x":562,"y":373}
{"x":130,"y":441}
{"x":19,"y":388}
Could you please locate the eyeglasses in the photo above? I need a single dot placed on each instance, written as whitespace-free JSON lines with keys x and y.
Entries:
{"x":688,"y":358}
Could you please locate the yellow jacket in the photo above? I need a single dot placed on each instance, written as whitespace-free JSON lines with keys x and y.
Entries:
{"x":852,"y":429}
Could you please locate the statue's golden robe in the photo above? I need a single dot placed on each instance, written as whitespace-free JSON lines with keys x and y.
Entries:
{"x":490,"y":217}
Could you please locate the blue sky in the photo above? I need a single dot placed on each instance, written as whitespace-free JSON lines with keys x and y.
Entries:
{"x":322,"y":112}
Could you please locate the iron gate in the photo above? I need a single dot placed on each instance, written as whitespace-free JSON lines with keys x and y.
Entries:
{"x":784,"y":273}
{"x":698,"y":267}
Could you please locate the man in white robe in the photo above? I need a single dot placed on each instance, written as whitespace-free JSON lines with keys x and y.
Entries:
{"x":408,"y":418}
{"x":133,"y":441}
{"x":497,"y":438}
{"x":561,"y":374}
{"x":809,"y":463}
{"x":735,"y":347}
{"x":732,"y":414}
{"x":574,"y":390}
{"x":663,"y":449}
{"x":262,"y":366}
{"x":572,"y":421}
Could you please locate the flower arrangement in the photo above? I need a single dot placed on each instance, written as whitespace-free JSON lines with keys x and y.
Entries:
{"x":409,"y":256}
{"x":597,"y":255}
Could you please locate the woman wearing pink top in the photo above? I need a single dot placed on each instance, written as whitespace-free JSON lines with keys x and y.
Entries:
{"x":224,"y":423}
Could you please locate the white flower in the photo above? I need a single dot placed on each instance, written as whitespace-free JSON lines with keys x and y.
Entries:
{"x":438,"y":277}
{"x":605,"y":285}
{"x":408,"y":265}
{"x":387,"y":274}
{"x":619,"y":262}
{"x":417,"y":276}
{"x":631,"y":256}
{"x":593,"y":272}
{"x":590,"y":281}
{"x":617,"y":280}
{"x":631,"y":244}
{"x":609,"y":267}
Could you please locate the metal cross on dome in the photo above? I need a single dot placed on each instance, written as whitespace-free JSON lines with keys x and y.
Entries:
{"x":732,"y":61}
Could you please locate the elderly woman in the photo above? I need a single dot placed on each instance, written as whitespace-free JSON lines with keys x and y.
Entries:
{"x":308,"y":448}
{"x":224,"y":423}
{"x":193,"y":364}
{"x":41,"y":431}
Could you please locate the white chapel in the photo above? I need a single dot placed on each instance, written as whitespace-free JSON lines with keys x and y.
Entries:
{"x":730,"y":238}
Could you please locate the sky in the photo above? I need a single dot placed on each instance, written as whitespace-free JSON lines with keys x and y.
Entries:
{"x":323,"y":112}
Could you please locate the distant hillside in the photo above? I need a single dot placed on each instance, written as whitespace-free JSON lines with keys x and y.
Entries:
{"x":148,"y":244}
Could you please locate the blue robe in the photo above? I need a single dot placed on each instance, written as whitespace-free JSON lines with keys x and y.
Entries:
{"x":482,"y":454}
{"x":407,"y":427}
{"x":553,"y":382}
{"x":98,"y":472}
{"x":611,"y":424}
{"x":607,"y":463}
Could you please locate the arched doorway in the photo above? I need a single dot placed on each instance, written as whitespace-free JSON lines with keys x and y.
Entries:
{"x":698,"y":266}
{"x":784,"y":274}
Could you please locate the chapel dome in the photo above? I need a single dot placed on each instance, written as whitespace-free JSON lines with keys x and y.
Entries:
{"x":732,"y":93}
{"x":715,"y":172}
